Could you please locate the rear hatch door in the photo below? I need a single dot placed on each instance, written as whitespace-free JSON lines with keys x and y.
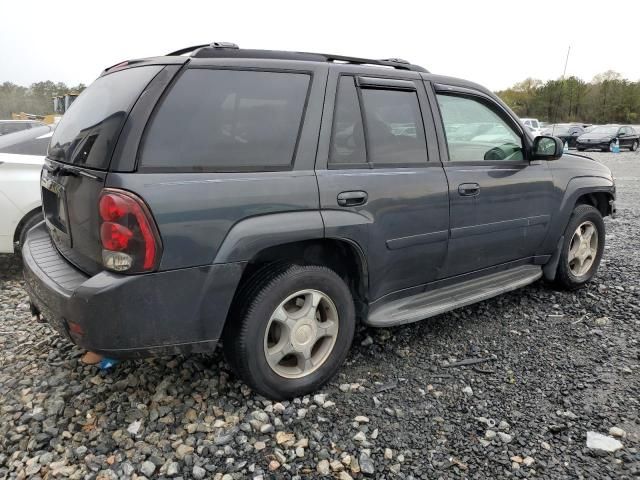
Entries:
{"x":78,"y":159}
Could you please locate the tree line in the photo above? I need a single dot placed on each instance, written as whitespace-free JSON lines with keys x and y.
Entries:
{"x":36,"y":99}
{"x":608,"y":98}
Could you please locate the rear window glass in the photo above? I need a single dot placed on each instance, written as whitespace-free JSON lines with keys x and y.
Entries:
{"x":33,"y":141}
{"x":227,"y":120}
{"x":11,"y":127}
{"x":87,"y":133}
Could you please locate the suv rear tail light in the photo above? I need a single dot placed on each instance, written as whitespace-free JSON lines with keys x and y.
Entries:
{"x":129,"y":237}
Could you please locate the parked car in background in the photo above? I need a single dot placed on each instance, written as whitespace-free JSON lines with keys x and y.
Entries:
{"x":603,"y":137}
{"x":11,"y":126}
{"x":497,"y":134}
{"x":566,"y":132}
{"x":533,"y":124}
{"x":21,"y":158}
{"x":272,"y":200}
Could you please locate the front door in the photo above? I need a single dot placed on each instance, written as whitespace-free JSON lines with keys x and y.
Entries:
{"x":381,"y":183}
{"x":624,"y":137}
{"x":500,"y":202}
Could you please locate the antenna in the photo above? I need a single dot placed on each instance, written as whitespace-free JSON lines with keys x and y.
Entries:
{"x":564,"y":72}
{"x":566,"y":62}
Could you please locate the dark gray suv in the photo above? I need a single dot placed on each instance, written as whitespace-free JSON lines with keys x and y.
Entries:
{"x":271,"y":200}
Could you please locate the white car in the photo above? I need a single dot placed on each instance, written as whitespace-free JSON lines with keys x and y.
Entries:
{"x":534,"y":125}
{"x":21,"y":159}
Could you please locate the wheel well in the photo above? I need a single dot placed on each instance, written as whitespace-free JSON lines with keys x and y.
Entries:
{"x":599,"y":200}
{"x":23,"y":221}
{"x":342,"y":256}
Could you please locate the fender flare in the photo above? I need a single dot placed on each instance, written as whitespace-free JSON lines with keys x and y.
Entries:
{"x":252,"y":235}
{"x":576,"y":187}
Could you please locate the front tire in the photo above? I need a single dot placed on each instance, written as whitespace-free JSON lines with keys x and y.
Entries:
{"x":290,"y":330}
{"x":634,"y":146}
{"x":583,"y":247}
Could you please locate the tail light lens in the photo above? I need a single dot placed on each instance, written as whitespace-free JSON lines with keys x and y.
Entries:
{"x":130,"y":239}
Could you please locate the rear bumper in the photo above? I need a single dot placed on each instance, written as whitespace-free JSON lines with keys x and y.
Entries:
{"x":129,"y":316}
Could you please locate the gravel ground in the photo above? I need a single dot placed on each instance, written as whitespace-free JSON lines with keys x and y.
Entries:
{"x":560,"y":365}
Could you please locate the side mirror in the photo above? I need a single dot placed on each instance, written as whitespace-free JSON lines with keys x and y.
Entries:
{"x":547,"y":148}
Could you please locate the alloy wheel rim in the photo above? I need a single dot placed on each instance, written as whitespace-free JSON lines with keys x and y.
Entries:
{"x":583,"y":248}
{"x":301,"y":333}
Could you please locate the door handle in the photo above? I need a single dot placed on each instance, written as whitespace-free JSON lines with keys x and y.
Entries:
{"x":469,"y":189}
{"x":352,"y":199}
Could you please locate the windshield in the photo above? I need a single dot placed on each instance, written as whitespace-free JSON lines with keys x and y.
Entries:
{"x":87,"y":133}
{"x":605,"y":130}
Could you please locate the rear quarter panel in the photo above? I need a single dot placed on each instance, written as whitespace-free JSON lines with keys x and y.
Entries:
{"x":19,"y":193}
{"x":222,"y":217}
{"x":196,"y":212}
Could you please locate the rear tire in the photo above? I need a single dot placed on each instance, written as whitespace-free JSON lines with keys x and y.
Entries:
{"x":27,"y":224}
{"x":583,"y":247}
{"x":290,"y":330}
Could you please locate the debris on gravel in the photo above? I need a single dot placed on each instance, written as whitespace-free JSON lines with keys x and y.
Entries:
{"x":517,"y":386}
{"x":597,"y":441}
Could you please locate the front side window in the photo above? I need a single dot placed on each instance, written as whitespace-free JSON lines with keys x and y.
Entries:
{"x":227,"y":120}
{"x":475,"y":132}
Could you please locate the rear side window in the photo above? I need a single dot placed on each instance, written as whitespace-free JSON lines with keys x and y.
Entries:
{"x":394,"y":127}
{"x":88,"y":131}
{"x":227,"y":120}
{"x":347,"y":144}
{"x":389,"y":120}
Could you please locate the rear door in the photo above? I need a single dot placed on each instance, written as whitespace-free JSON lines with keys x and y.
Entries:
{"x":78,"y":158}
{"x":381,"y":183}
{"x":500,"y":202}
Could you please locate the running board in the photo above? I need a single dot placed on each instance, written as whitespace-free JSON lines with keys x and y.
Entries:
{"x":444,"y":299}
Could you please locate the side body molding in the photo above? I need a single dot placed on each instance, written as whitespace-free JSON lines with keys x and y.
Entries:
{"x":248,"y":237}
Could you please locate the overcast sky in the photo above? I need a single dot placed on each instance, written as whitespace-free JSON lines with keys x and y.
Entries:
{"x":495,"y":43}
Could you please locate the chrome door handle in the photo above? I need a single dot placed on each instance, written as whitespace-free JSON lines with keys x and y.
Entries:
{"x":469,"y":189}
{"x":352,"y":199}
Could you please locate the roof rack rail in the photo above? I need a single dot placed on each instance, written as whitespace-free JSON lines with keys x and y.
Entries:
{"x":182,"y":51}
{"x":387,"y":62}
{"x":231,"y":50}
